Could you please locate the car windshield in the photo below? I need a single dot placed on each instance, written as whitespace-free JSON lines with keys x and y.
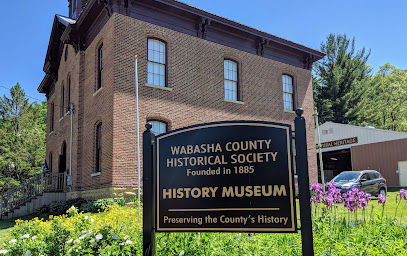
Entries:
{"x":346,"y":177}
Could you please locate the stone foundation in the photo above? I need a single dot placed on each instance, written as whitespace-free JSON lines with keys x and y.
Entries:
{"x":128,"y":193}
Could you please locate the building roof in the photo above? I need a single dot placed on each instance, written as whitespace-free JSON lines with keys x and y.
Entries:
{"x":65,"y":20}
{"x":330,"y":132}
{"x":174,"y":15}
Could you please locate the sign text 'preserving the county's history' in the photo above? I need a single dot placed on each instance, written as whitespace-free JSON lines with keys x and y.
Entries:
{"x":227,"y":176}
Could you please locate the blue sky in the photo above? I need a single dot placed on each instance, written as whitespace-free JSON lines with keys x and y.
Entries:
{"x":377,"y":25}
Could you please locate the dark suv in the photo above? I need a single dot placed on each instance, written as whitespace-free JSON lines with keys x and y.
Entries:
{"x":369,"y":181}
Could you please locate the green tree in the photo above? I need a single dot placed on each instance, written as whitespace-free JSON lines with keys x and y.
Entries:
{"x":340,"y":79}
{"x":22,"y":138}
{"x":384,"y":103}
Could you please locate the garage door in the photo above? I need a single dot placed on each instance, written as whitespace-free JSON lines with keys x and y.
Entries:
{"x":403,"y":173}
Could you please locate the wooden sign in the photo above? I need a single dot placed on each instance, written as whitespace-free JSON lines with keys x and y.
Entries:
{"x":225,"y":177}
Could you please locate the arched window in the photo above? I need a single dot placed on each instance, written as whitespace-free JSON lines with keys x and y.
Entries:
{"x":66,"y":53}
{"x":50,"y":162}
{"x":51,"y":116}
{"x":68,"y":95}
{"x":98,"y":148}
{"x":62,"y":106}
{"x":288,"y":92}
{"x":100,"y":67}
{"x":159,"y":127}
{"x":156,"y":64}
{"x":62,"y":159}
{"x":231,"y":80}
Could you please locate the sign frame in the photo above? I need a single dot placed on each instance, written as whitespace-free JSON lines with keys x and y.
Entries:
{"x":290,"y":191}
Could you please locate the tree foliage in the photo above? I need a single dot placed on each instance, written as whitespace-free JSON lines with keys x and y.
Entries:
{"x":384,"y":103}
{"x":340,"y":79}
{"x":22,"y":138}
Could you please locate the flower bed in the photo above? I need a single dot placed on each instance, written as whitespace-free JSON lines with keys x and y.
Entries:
{"x":338,"y":230}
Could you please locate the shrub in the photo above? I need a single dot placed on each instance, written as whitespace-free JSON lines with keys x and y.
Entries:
{"x":115,"y":231}
{"x":42,"y":209}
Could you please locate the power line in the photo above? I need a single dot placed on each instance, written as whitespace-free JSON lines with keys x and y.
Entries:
{"x":56,"y":105}
{"x":24,"y":93}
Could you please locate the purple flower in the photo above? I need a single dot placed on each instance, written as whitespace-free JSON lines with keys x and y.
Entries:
{"x":249,"y":234}
{"x":381,"y":199}
{"x":403,"y":194}
{"x":316,"y":186}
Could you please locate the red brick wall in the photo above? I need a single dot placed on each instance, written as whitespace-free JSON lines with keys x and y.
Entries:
{"x":195,"y":74}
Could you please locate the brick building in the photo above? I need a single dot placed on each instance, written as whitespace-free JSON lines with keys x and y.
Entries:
{"x":193,"y":67}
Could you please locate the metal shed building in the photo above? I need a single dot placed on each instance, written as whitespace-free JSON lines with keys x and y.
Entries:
{"x":349,"y":147}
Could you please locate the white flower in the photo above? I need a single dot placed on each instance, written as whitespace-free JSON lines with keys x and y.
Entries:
{"x":69,"y":251}
{"x":90,"y":233}
{"x":129,"y":242}
{"x":121,"y":243}
{"x":82,"y":237}
{"x":115,"y":237}
{"x":25,"y":236}
{"x":4,"y":252}
{"x":86,"y":217}
{"x":126,"y":237}
{"x":34,"y":237}
{"x":12,"y":241}
{"x":72,"y":207}
{"x":84,"y":232}
{"x":27,"y":253}
{"x":98,"y":237}
{"x":76,"y":241}
{"x":92,"y":240}
{"x":92,"y":220}
{"x":69,"y":241}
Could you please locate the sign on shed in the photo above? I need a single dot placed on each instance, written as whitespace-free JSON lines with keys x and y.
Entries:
{"x":226,"y":176}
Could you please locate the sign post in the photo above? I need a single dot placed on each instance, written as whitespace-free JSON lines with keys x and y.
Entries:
{"x":148,"y":193}
{"x":303,"y":183}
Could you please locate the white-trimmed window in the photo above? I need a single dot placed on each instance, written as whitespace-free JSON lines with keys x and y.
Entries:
{"x":100,"y":67}
{"x":158,"y":127}
{"x":288,"y":93}
{"x":156,"y":65}
{"x":98,"y":148}
{"x":230,"y":68}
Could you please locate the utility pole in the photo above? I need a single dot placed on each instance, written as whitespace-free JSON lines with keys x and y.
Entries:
{"x":319,"y":147}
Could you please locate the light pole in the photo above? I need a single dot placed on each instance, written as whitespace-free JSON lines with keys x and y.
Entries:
{"x":319,"y":147}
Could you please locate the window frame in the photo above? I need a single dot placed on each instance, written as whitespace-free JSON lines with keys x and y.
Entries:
{"x":52,"y":117}
{"x":237,"y":79}
{"x":165,"y":60}
{"x":62,"y":102}
{"x":292,"y":94}
{"x":100,"y":65}
{"x":50,"y":156}
{"x":66,"y":53}
{"x":68,"y":94}
{"x":98,"y":147}
{"x":158,"y":121}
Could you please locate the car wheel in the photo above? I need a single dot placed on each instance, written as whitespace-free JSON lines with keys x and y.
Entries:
{"x":382,"y":191}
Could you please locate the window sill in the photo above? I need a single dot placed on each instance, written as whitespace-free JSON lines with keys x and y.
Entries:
{"x":95,"y":174}
{"x":97,"y":92}
{"x":159,"y":87}
{"x":289,"y":111}
{"x":235,"y":101}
